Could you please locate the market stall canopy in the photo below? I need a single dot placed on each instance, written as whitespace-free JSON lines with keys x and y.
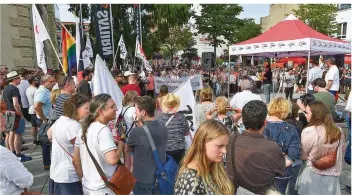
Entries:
{"x":291,"y":37}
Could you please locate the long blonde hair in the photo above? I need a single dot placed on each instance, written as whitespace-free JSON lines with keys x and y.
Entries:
{"x":221,"y":102}
{"x":213,"y":173}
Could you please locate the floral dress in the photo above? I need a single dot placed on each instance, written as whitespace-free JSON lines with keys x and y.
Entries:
{"x":191,"y":184}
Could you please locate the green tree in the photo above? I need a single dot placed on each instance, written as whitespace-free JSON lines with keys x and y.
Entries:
{"x":320,"y":17}
{"x":190,"y":52}
{"x":218,"y":20}
{"x":178,"y":40}
{"x":249,"y":29}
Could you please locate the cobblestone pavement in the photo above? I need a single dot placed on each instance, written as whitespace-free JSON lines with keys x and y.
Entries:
{"x":41,"y":177}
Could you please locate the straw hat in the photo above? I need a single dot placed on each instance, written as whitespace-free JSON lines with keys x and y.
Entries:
{"x":12,"y":75}
{"x":170,"y":103}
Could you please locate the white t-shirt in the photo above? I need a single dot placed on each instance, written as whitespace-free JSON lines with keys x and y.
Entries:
{"x":100,"y":141}
{"x":313,"y":74}
{"x":242,"y":98}
{"x":30,"y":97}
{"x":61,"y":169}
{"x":129,"y":116}
{"x":333,"y":74}
{"x":23,"y":86}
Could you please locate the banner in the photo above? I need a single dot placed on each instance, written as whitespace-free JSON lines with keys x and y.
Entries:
{"x":173,"y":84}
{"x":87,"y":53}
{"x":187,"y":106}
{"x":103,"y":82}
{"x":123,"y":50}
{"x":102,"y":22}
{"x":40,"y":35}
{"x":137,"y":18}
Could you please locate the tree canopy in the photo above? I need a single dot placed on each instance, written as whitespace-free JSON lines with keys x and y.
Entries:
{"x":320,"y":17}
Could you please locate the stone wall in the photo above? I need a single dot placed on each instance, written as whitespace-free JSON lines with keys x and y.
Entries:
{"x":17,"y":47}
{"x":277,"y":13}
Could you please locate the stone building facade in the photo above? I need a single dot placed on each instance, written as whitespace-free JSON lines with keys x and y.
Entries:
{"x":17,"y":45}
{"x":277,"y":13}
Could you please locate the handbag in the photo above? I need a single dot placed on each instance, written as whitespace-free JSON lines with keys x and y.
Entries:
{"x":42,"y":136}
{"x":122,"y":182}
{"x":327,"y":161}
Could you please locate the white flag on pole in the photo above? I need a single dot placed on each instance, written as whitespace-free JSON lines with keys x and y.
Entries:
{"x":103,"y":82}
{"x":40,"y":35}
{"x":123,"y":50}
{"x":139,"y":53}
{"x":239,"y":60}
{"x":78,"y":42}
{"x":87,"y":53}
{"x":185,"y":93}
{"x":252,"y":61}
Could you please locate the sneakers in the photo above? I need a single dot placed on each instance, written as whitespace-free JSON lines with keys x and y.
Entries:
{"x":46,"y":167}
{"x":25,"y":158}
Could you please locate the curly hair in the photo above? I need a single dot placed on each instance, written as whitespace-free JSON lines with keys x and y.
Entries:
{"x":72,"y":104}
{"x":279,"y":107}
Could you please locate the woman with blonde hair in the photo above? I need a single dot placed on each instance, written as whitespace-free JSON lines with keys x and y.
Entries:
{"x":202,"y":170}
{"x":320,"y":139}
{"x":222,"y":109}
{"x":206,"y":104}
{"x":285,"y":135}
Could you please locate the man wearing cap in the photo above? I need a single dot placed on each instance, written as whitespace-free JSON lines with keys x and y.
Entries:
{"x":15,"y":125}
{"x":132,"y":84}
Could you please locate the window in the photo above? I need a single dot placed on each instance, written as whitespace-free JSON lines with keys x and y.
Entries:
{"x":343,"y":30}
{"x":344,"y":6}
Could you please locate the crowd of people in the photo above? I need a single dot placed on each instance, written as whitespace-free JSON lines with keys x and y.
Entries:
{"x":243,"y":145}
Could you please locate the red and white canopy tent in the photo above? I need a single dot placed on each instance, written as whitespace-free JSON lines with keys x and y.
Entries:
{"x":290,"y":37}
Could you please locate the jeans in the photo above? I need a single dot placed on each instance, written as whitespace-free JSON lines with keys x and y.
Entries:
{"x":46,"y":149}
{"x":348,"y":149}
{"x":143,"y":189}
{"x":267,"y":90}
{"x":218,"y":89}
{"x":333,"y":92}
{"x":280,"y":183}
{"x":292,"y":183}
{"x":289,"y":92}
{"x":65,"y":188}
{"x":177,"y":155}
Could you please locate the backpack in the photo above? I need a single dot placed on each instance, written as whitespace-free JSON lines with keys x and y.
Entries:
{"x":121,"y":124}
{"x":165,"y":172}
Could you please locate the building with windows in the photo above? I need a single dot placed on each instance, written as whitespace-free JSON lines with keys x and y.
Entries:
{"x":344,"y":19}
{"x":277,"y":13}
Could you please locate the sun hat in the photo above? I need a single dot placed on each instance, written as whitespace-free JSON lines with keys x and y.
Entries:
{"x":170,"y":103}
{"x":12,"y":75}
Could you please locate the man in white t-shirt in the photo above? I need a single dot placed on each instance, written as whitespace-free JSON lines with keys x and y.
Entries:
{"x":34,"y":82}
{"x":314,"y":73}
{"x":332,"y":77}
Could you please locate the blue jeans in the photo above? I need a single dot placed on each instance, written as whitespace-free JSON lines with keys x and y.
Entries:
{"x":281,"y":183}
{"x":218,"y":89}
{"x":348,"y":149}
{"x":142,"y":189}
{"x":294,"y":174}
{"x":267,"y":91}
{"x":65,"y":188}
{"x":333,"y":92}
{"x":46,"y":149}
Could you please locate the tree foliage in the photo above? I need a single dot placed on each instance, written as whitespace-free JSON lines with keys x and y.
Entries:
{"x":320,"y":17}
{"x":249,"y":29}
{"x":218,"y":20}
{"x":190,"y":52}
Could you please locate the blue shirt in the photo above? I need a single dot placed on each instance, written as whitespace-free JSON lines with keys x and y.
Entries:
{"x":286,"y":136}
{"x":43,"y":95}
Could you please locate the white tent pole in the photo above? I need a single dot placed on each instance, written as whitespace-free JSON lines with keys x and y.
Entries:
{"x":308,"y":61}
{"x":228,"y":79}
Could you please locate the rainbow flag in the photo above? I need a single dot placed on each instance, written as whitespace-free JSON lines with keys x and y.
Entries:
{"x":69,"y":59}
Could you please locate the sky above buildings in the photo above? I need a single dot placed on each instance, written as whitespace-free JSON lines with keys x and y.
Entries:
{"x":255,"y":11}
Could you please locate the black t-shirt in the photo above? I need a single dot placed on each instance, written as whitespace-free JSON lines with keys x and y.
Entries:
{"x":269,"y":75}
{"x":9,"y":92}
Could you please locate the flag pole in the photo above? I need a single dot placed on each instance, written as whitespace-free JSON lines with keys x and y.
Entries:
{"x":67,"y":31}
{"x":58,"y":58}
{"x":112,"y":36}
{"x":140,"y":23}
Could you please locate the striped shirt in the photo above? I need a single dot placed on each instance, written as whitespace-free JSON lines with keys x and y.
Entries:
{"x":59,"y":106}
{"x":177,"y":128}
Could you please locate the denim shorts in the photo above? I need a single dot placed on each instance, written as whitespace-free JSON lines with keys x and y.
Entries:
{"x":21,"y":126}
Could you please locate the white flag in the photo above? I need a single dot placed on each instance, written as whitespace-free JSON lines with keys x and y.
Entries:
{"x":122,"y":46}
{"x":40,"y":35}
{"x":146,"y":65}
{"x":89,"y":48}
{"x":103,"y":82}
{"x":139,"y":53}
{"x":185,"y":93}
{"x":239,"y":60}
{"x":252,"y":61}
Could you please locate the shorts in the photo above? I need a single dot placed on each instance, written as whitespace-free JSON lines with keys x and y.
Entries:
{"x":21,"y":126}
{"x":34,"y":120}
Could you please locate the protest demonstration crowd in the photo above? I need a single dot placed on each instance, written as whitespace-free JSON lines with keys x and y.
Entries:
{"x":147,"y":144}
{"x":105,"y":127}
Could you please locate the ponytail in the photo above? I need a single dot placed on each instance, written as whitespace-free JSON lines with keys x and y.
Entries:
{"x":85,"y":125}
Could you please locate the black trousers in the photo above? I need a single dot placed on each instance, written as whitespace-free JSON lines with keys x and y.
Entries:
{"x":177,"y":155}
{"x":289,"y":92}
{"x":150,"y":93}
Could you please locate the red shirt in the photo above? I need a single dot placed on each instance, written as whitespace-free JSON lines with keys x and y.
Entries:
{"x":131,"y":87}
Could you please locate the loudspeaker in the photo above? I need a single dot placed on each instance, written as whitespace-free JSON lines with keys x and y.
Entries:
{"x":208,"y":61}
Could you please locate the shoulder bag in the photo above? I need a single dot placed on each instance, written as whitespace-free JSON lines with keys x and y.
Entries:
{"x":328,"y":160}
{"x":122,"y":182}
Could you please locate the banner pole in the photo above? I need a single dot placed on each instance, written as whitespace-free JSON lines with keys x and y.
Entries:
{"x":58,"y":58}
{"x":140,"y":23}
{"x":112,"y":36}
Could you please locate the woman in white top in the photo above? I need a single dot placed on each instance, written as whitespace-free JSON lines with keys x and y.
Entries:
{"x":63,"y":177}
{"x":100,"y":143}
{"x":129,"y":115}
